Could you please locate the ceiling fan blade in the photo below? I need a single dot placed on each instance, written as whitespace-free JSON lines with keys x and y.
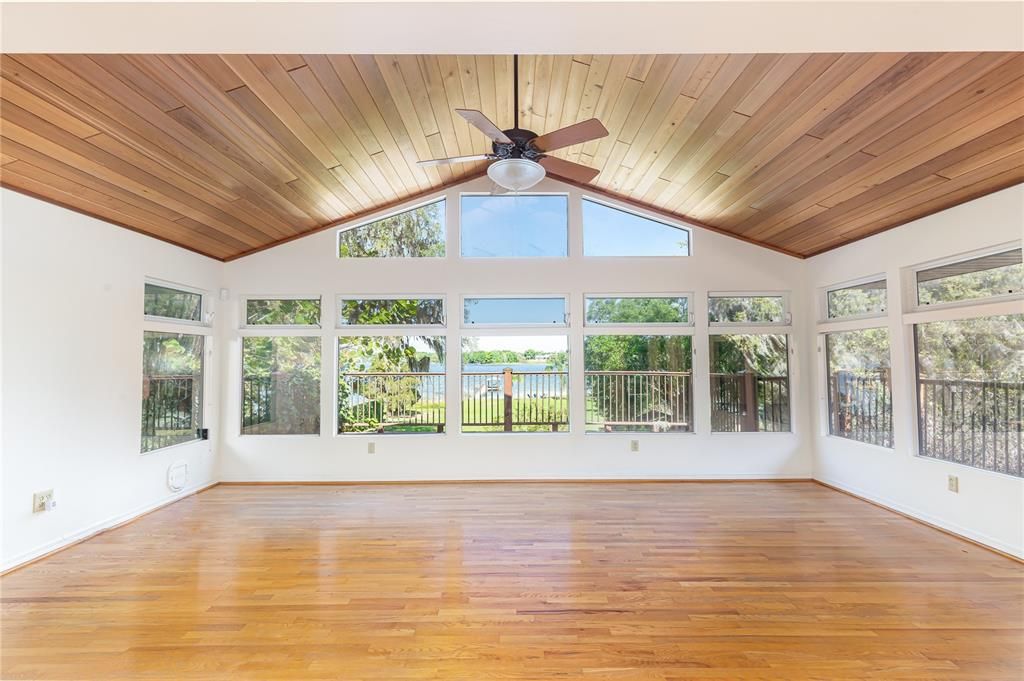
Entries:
{"x":568,"y":169}
{"x":484,"y":125}
{"x":454,"y":159}
{"x":570,"y":135}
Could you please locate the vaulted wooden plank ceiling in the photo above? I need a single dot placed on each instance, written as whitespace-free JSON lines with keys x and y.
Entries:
{"x":227,"y":154}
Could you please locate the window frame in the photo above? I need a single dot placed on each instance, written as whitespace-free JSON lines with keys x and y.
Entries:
{"x":565,"y":297}
{"x":640,"y":213}
{"x":516,"y":258}
{"x":205,"y":317}
{"x":370,"y":328}
{"x":910,"y":290}
{"x":785,"y":323}
{"x":187,"y":327}
{"x":689,"y":296}
{"x":244,"y":312}
{"x":436,"y":198}
{"x":824,"y":292}
{"x":735,"y":329}
{"x":289,"y":332}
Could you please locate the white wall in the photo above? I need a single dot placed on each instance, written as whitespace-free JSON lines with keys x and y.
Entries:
{"x":310,"y":266}
{"x":989,"y":506}
{"x":72,"y":374}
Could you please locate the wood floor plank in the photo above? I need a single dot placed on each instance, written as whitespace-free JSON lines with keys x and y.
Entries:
{"x":612,"y":581}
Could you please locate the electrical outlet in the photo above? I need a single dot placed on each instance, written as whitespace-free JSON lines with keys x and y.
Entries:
{"x":634,"y":445}
{"x":371,"y":447}
{"x":43,"y":501}
{"x":953,"y":484}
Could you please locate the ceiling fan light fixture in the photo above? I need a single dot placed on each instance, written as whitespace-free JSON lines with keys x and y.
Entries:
{"x":516,"y":174}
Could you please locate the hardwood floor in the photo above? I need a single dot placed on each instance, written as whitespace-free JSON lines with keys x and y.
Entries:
{"x":666,"y":581}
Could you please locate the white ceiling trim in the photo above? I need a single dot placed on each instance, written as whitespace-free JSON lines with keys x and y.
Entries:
{"x":737,"y":26}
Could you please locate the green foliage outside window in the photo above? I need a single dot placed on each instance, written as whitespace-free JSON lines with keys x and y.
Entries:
{"x":637,"y":311}
{"x":750,"y":309}
{"x":416,"y":233}
{"x":282,"y":312}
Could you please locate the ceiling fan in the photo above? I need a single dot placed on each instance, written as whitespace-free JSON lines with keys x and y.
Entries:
{"x":521,"y":156}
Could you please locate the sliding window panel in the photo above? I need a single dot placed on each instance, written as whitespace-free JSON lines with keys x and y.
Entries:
{"x":638,"y":383}
{"x":172,"y":389}
{"x":391,"y":384}
{"x":390,"y":311}
{"x":636,"y":310}
{"x":970,"y":391}
{"x":860,"y":386}
{"x":515,"y":384}
{"x":989,"y":276}
{"x":749,"y":383}
{"x":859,"y":300}
{"x":493,"y":311}
{"x":301,"y":312}
{"x":281,"y":385}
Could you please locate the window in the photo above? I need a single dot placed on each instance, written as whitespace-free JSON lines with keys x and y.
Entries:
{"x":514,"y":311}
{"x":515,"y":226}
{"x":515,"y":384}
{"x":860,"y":385}
{"x":997,"y":274}
{"x":638,"y":383}
{"x":390,"y":311}
{"x":171,"y":303}
{"x":749,"y":383}
{"x":172,"y":389}
{"x":970,"y":384}
{"x":637,"y":310}
{"x":857,"y":300}
{"x":725,"y":309}
{"x":282,"y":312}
{"x":415,"y":233}
{"x":610,"y":231}
{"x":280,"y":385}
{"x":391,"y":384}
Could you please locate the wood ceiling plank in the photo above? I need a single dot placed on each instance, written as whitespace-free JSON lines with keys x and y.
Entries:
{"x":930,"y":202}
{"x":680,"y":162}
{"x":610,"y":91}
{"x":659,"y":112}
{"x":351,"y":77}
{"x":124,"y":68}
{"x":69,"y":174}
{"x":257,"y":73}
{"x":329,"y":191}
{"x":52,"y":113}
{"x":290,"y":62}
{"x":350,"y":151}
{"x":71,"y":150}
{"x":703,"y":74}
{"x":1006,"y":70}
{"x":393,"y":98}
{"x":848,"y":76}
{"x":764,"y":188}
{"x":22,"y":177}
{"x":58,"y":85}
{"x":503,"y":91}
{"x":229,"y":154}
{"x":430,"y":70}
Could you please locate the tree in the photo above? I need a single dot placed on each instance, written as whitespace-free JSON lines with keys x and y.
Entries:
{"x":415,"y":233}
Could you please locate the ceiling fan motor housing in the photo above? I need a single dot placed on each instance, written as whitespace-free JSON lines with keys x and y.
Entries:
{"x":520,"y":147}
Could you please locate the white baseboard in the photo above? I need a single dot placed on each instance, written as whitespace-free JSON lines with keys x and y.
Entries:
{"x":726,"y":477}
{"x":97,"y":528}
{"x":965,"y":532}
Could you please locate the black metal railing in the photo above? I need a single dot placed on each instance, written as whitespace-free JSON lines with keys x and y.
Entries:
{"x":391,"y":402}
{"x":515,"y":400}
{"x":860,"y":406}
{"x":656,"y":401}
{"x":976,"y":423}
{"x":281,"y":404}
{"x":171,"y":408}
{"x":749,"y":402}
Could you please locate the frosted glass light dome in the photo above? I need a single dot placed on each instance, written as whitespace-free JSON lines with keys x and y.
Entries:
{"x":516,"y":174}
